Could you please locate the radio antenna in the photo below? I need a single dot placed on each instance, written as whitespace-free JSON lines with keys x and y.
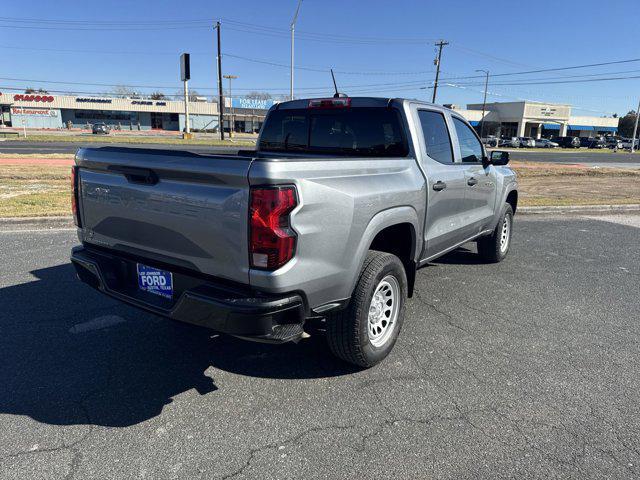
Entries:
{"x":335,"y":86}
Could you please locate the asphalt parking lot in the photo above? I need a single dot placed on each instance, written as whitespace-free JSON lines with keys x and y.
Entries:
{"x":528,"y":368}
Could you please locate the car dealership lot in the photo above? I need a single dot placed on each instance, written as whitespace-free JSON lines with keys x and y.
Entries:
{"x":525,"y":368}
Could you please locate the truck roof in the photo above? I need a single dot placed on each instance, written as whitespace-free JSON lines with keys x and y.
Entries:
{"x":355,"y":102}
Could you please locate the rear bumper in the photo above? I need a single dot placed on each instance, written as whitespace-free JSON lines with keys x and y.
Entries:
{"x":220,"y":307}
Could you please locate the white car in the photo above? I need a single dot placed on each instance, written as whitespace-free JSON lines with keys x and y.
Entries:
{"x":527,"y":142}
{"x":545,"y":143}
{"x":626,"y":143}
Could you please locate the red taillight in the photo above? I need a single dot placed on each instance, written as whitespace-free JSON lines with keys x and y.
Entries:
{"x":341,"y":102}
{"x":272,"y":241}
{"x":74,"y":195}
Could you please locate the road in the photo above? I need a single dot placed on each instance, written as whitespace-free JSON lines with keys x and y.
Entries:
{"x":528,"y":369}
{"x":557,"y":156}
{"x":583,"y":156}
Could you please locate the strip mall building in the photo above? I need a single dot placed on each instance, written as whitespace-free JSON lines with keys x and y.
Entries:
{"x":44,"y":111}
{"x":535,"y":119}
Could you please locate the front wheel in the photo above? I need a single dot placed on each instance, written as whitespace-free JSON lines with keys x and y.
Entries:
{"x":495,"y":247}
{"x":366,"y":330}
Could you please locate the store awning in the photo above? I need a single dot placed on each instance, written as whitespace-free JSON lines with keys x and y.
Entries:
{"x":551,"y":126}
{"x":580,"y":127}
{"x":474,"y":123}
{"x":606,"y":129}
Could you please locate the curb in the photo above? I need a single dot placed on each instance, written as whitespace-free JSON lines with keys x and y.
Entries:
{"x":584,"y":209}
{"x":36,"y":222}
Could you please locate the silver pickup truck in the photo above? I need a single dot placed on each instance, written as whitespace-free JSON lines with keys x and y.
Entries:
{"x":320,"y":229}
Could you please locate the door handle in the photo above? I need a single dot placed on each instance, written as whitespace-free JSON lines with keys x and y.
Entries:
{"x":472,"y":181}
{"x":439,"y":185}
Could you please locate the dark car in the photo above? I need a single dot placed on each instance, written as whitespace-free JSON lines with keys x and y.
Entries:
{"x":568,"y":142}
{"x":613,"y":143}
{"x":100,"y":128}
{"x":597,"y":143}
{"x":586,"y":141}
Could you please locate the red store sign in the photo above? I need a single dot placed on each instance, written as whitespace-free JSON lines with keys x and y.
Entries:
{"x":32,"y":98}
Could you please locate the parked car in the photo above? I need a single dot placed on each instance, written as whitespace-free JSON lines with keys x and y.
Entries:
{"x":568,"y":142}
{"x":509,"y":142}
{"x":273,"y":244}
{"x":99,"y":128}
{"x":613,"y":143}
{"x":626,"y":143}
{"x":526,"y":142}
{"x":586,"y":141}
{"x":490,"y":141}
{"x":545,"y":143}
{"x":597,"y":143}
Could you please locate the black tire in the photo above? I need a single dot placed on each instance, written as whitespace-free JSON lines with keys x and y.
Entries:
{"x":490,"y":248}
{"x":348,"y":329}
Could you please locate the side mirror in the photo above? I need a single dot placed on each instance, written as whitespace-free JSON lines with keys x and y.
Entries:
{"x":498,"y":158}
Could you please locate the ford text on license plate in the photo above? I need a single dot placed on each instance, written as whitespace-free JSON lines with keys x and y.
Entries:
{"x":153,"y":280}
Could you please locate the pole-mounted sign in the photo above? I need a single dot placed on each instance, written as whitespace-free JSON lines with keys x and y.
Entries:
{"x":185,"y":67}
{"x":185,"y":75}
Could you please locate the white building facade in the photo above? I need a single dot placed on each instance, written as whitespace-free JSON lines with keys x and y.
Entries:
{"x":536,"y":119}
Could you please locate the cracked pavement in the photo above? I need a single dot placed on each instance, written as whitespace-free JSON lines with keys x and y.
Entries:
{"x":528,"y":368}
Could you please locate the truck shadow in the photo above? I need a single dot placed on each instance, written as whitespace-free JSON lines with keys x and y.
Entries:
{"x":71,"y":356}
{"x":465,"y":255}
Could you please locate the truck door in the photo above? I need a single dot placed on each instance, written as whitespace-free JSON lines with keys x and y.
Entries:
{"x":480,"y":180}
{"x":445,"y":184}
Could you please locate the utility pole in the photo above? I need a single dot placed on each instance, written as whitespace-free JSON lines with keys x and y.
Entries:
{"x":185,"y":75}
{"x":231,"y":119}
{"x":635,"y":129}
{"x":484,"y":101}
{"x":440,"y":44}
{"x":293,"y":28}
{"x":220,"y":96}
{"x":186,"y":107}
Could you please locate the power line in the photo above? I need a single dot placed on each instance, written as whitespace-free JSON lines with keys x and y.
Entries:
{"x":324,"y":69}
{"x":559,"y":82}
{"x":31,"y":80}
{"x":555,"y":69}
{"x":93,"y":25}
{"x":316,"y":68}
{"x":416,"y":83}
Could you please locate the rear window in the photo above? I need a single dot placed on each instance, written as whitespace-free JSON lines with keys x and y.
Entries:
{"x":364,"y":131}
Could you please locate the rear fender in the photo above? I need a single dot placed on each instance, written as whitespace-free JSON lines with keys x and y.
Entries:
{"x":382,"y":220}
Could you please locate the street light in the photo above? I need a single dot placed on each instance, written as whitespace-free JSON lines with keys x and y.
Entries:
{"x":231,"y":119}
{"x":484,"y":101}
{"x":293,"y":27}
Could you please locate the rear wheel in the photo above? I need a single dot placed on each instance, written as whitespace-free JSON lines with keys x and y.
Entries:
{"x":495,"y":247}
{"x":365,"y":332}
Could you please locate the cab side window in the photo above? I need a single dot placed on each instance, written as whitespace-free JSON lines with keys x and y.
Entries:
{"x":436,"y":136}
{"x":470,"y":146}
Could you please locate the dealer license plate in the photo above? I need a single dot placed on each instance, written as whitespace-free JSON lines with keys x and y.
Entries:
{"x":156,"y":281}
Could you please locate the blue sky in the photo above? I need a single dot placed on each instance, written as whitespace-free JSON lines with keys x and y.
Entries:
{"x":377,"y":47}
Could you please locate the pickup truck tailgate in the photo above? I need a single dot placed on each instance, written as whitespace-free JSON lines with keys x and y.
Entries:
{"x":179,"y":208}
